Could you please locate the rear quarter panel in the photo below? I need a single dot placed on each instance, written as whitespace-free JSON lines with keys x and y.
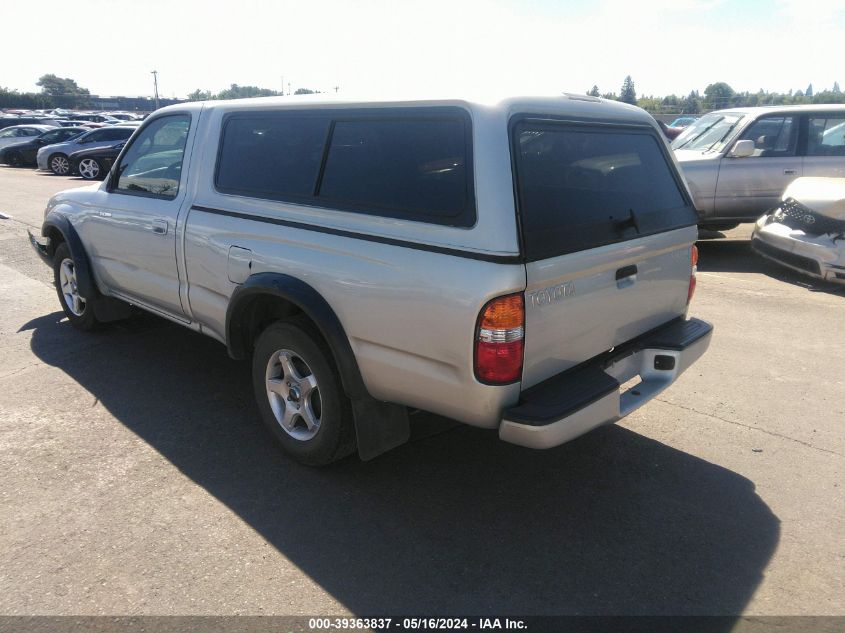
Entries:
{"x":409,"y":314}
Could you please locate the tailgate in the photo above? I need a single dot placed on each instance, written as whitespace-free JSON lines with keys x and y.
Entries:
{"x":607,"y":228}
{"x":582,"y":304}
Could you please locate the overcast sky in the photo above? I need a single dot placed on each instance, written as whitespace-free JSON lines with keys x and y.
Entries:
{"x":434,"y":46}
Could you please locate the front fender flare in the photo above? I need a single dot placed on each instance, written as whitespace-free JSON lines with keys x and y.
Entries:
{"x":83,"y":267}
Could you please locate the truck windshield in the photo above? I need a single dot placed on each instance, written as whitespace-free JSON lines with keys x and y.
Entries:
{"x":710,"y":133}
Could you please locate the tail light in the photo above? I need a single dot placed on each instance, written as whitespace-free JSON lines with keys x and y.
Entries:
{"x":499,"y":340}
{"x":694,"y":269}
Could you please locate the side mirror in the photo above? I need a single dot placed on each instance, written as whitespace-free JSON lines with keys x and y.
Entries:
{"x":742,"y":149}
{"x":119,"y":145}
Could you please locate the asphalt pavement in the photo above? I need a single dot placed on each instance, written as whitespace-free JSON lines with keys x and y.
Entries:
{"x":135,"y":477}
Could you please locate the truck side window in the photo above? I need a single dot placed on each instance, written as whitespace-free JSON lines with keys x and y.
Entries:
{"x":152,"y":165}
{"x":274,"y":156}
{"x":416,"y":167}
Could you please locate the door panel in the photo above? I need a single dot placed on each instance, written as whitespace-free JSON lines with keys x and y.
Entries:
{"x":749,"y":186}
{"x":133,"y":233}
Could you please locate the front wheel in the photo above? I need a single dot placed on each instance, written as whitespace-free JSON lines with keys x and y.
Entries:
{"x":89,"y":169}
{"x":59,"y":164}
{"x":78,"y":309}
{"x":300,"y":396}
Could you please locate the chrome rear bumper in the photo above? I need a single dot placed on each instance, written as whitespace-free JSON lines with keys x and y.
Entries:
{"x":576,"y":401}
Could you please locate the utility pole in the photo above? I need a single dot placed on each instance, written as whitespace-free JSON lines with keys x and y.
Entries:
{"x":154,"y":73}
{"x":335,"y":89}
{"x":288,"y":88}
{"x":283,"y":85}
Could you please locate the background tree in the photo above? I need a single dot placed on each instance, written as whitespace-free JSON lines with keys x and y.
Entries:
{"x":303,"y":91}
{"x":836,"y":89}
{"x":628,"y":94}
{"x":718,"y":95}
{"x":200,"y":95}
{"x":594,"y":91}
{"x":64,"y":92}
{"x":242,"y":92}
{"x":809,"y":91}
{"x":691,"y":103}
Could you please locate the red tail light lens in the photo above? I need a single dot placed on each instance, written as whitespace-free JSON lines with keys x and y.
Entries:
{"x":499,"y":340}
{"x":694,"y":265}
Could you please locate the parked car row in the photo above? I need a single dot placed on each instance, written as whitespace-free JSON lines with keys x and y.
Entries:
{"x":53,"y":149}
{"x":738,"y":162}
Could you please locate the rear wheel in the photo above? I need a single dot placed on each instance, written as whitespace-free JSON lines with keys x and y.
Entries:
{"x":300,"y":396}
{"x":59,"y":164}
{"x":78,"y":309}
{"x":90,"y":169}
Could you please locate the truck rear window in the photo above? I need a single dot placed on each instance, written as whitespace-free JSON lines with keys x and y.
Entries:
{"x":581,"y":186}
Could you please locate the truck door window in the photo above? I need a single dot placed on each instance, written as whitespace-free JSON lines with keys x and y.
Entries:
{"x":152,"y":166}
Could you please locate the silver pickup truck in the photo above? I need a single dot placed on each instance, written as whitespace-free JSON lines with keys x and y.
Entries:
{"x":514,"y":265}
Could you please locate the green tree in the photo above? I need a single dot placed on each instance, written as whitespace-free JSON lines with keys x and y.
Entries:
{"x":691,"y":104}
{"x":836,"y":89}
{"x":243,"y":92}
{"x":809,"y":91}
{"x":58,"y":86}
{"x":65,"y":92}
{"x":594,"y":91}
{"x":200,"y":95}
{"x":628,"y":94}
{"x":718,"y":95}
{"x":303,"y":91}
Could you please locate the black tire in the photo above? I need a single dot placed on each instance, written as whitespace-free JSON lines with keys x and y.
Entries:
{"x":14,"y":159}
{"x":335,"y":436}
{"x":61,"y":166}
{"x":81,"y":316}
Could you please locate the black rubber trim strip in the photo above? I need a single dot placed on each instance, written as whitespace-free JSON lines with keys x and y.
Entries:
{"x":442,"y":250}
{"x":568,"y":392}
{"x":562,"y":395}
{"x":312,"y":304}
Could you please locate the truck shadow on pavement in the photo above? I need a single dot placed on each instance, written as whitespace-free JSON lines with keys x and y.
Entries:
{"x":736,"y":256}
{"x":457,"y":522}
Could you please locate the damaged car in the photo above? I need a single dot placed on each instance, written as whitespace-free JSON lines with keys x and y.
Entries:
{"x":806,"y":231}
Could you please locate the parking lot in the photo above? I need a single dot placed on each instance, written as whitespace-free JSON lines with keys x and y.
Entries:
{"x":136,"y":478}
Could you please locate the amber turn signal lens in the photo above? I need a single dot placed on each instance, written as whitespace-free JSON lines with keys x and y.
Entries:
{"x":504,"y":313}
{"x":694,"y":255}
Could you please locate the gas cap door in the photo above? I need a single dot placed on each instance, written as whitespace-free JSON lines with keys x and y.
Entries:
{"x":239,"y":266}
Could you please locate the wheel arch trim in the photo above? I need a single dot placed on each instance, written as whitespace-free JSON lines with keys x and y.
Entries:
{"x":312,"y":304}
{"x":69,"y":235}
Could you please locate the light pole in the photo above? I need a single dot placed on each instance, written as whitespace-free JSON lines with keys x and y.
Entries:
{"x":154,"y":73}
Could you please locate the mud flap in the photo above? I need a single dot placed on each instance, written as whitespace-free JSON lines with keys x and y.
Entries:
{"x":379,"y":426}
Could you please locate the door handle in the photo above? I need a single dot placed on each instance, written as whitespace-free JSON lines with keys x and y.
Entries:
{"x":790,"y":172}
{"x":626,"y":277}
{"x":159,"y":227}
{"x":627,"y":271}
